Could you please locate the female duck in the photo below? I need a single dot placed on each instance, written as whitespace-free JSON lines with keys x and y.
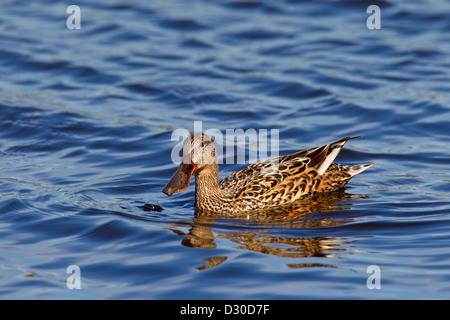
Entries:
{"x":262,"y":185}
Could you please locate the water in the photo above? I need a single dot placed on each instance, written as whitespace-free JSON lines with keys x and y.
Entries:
{"x":86,"y":121}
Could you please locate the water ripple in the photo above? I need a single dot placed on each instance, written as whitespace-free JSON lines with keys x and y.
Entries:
{"x":86,"y":118}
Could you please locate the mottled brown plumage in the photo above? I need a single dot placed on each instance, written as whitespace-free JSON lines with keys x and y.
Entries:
{"x":262,"y":185}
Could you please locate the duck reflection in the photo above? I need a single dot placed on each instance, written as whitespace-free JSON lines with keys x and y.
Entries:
{"x":255,"y":231}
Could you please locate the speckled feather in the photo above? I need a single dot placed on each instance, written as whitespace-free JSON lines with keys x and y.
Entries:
{"x":272,"y":182}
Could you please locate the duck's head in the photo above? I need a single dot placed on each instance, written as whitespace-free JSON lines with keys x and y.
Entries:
{"x":199,"y":153}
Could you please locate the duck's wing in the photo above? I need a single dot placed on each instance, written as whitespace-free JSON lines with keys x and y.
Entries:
{"x":321,"y":157}
{"x":284,"y":179}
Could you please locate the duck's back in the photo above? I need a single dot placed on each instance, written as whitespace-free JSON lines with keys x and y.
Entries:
{"x":287,"y":179}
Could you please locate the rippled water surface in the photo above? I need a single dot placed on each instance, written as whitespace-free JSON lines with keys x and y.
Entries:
{"x":87,"y":116}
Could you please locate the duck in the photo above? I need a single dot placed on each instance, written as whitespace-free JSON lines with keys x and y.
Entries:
{"x":263,"y":185}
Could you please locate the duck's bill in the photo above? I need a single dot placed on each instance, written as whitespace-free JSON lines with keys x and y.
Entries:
{"x":180,"y":180}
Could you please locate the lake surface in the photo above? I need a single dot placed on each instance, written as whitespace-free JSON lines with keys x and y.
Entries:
{"x":87,"y":116}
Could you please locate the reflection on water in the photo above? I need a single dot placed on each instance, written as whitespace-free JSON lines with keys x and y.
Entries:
{"x":253,"y":230}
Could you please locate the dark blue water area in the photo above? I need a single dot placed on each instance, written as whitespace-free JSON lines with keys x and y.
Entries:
{"x":86,"y":124}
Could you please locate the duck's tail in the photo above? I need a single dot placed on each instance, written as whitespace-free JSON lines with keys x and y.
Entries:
{"x":356,"y":169}
{"x":330,"y":152}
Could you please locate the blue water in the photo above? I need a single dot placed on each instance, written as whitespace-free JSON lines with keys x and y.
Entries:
{"x":86,"y":121}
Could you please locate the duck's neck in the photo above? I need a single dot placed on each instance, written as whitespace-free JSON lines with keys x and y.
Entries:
{"x":206,"y":185}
